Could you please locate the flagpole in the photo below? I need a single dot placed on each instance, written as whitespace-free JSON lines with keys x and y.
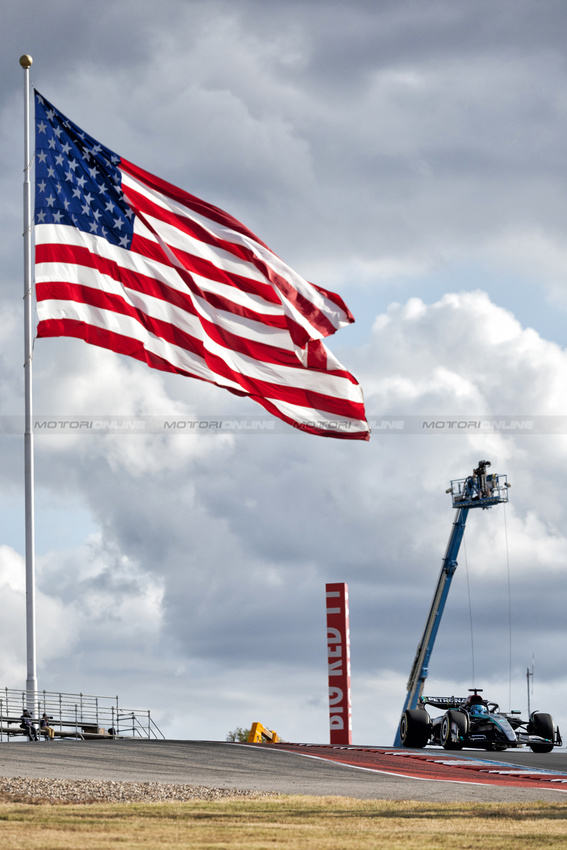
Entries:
{"x":31,"y":680}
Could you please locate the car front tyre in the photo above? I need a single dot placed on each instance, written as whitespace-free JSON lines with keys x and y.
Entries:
{"x":453,"y":719}
{"x":415,"y":728}
{"x":541,"y":724}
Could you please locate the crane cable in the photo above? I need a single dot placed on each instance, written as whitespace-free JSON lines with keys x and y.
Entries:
{"x":509,"y":610}
{"x":470,"y":607}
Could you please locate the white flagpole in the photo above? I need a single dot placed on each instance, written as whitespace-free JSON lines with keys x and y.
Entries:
{"x":31,"y":680}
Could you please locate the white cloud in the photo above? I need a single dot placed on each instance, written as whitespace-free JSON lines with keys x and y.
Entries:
{"x":227,"y":549}
{"x":55,"y":624}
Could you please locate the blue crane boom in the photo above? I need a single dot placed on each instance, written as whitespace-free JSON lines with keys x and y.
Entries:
{"x":479,"y":490}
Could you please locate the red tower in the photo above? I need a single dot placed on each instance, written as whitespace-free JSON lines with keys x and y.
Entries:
{"x":338,"y":654}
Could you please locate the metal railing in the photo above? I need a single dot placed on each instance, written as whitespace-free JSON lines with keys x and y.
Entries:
{"x":76,"y":715}
{"x":478,"y":491}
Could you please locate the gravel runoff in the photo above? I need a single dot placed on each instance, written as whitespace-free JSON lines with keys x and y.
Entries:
{"x":23,"y":790}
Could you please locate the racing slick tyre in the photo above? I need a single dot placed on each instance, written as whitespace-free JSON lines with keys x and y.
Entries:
{"x":415,"y":728}
{"x":542,"y":724}
{"x":453,"y":719}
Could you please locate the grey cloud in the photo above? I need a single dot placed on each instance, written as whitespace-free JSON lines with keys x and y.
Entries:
{"x":383,"y":136}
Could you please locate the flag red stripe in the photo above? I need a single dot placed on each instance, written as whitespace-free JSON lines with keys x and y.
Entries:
{"x":313,"y":429}
{"x":137,"y":281}
{"x":64,"y":291}
{"x":204,"y":268}
{"x":187,"y":200}
{"x":256,"y":388}
{"x":315,"y":317}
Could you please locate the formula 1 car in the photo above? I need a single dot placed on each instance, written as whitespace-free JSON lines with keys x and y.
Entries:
{"x":473,"y":722}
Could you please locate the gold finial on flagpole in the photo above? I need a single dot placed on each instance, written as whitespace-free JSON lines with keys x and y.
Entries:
{"x":26,"y":61}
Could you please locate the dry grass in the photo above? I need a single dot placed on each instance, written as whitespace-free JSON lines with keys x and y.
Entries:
{"x":284,"y":822}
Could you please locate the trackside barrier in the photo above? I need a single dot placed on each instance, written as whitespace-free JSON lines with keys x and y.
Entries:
{"x":260,"y":735}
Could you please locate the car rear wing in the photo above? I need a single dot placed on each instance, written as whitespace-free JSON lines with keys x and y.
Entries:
{"x":443,"y":702}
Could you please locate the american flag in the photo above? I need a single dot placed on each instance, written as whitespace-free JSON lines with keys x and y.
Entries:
{"x":129,"y":262}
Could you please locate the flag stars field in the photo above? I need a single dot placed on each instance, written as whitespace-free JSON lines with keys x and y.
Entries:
{"x":76,"y":197}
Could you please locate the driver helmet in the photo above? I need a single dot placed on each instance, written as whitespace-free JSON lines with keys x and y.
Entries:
{"x":478,"y":708}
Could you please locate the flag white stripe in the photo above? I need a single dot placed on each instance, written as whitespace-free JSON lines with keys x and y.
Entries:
{"x":125,"y":326}
{"x":321,"y":418}
{"x":333,"y":314}
{"x":254,"y":331}
{"x":175,"y":238}
{"x":137,"y":263}
{"x":222,"y":260}
{"x":284,"y":376}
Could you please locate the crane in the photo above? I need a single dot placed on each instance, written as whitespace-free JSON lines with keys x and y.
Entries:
{"x":479,"y":490}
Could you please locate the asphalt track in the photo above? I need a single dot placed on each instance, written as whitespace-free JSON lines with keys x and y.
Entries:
{"x":362,"y":772}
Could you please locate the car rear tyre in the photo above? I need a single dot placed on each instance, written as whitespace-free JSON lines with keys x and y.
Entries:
{"x":458,"y":719}
{"x":542,"y":725}
{"x":415,"y":728}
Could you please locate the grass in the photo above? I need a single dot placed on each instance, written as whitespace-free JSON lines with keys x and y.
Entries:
{"x":318,"y":823}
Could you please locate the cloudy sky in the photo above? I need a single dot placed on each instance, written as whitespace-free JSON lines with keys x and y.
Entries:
{"x":410,"y":156}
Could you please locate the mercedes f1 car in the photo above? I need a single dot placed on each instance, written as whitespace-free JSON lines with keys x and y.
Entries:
{"x":474,"y":722}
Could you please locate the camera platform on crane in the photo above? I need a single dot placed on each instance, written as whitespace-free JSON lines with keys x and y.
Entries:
{"x":482,"y":489}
